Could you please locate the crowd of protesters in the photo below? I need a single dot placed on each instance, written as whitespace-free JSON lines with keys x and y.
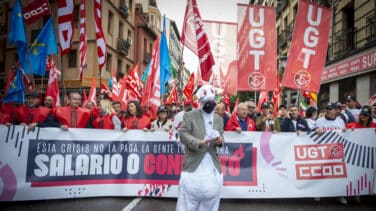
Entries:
{"x":108,"y":114}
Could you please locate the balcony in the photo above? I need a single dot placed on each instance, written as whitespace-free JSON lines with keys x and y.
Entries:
{"x":371,"y":28}
{"x":124,"y":10}
{"x":344,"y":42}
{"x":123,"y":46}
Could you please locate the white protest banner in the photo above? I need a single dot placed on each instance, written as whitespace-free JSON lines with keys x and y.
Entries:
{"x":49,"y":163}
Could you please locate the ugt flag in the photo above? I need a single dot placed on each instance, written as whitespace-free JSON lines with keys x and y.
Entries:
{"x":257,"y":41}
{"x":308,"y":49}
{"x":45,"y":44}
{"x":16,"y":91}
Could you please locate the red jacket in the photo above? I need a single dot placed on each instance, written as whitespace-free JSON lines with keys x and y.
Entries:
{"x":357,"y":125}
{"x":104,"y":122}
{"x":28,"y":115}
{"x":4,"y":118}
{"x":137,"y":123}
{"x":233,"y":123}
{"x":73,"y":117}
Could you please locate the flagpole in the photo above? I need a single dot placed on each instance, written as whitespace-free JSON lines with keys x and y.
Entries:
{"x":62,"y":80}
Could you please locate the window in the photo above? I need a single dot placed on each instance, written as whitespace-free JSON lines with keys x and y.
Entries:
{"x":110,"y":24}
{"x":72,"y":59}
{"x":145,"y":44}
{"x":130,"y":5}
{"x":127,"y":68}
{"x":76,"y":14}
{"x":150,"y":48}
{"x":119,"y":65}
{"x":121,"y":29}
{"x":109,"y":62}
{"x":346,"y":87}
{"x":152,"y":21}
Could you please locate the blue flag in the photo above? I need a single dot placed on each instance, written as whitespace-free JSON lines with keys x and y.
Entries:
{"x":45,"y":44}
{"x":164,"y":59}
{"x":16,"y":91}
{"x":17,"y":33}
{"x":146,"y":73}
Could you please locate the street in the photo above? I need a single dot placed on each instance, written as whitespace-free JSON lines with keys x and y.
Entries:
{"x":164,"y":204}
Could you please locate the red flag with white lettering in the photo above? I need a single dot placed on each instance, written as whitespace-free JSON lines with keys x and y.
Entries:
{"x":257,"y":41}
{"x":66,"y":28}
{"x":308,"y":49}
{"x":204,"y":53}
{"x":93,"y":90}
{"x":83,"y":37}
{"x":152,"y":94}
{"x":53,"y":85}
{"x":35,"y":10}
{"x":101,"y":43}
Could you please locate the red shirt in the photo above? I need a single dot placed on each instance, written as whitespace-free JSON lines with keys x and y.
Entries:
{"x":73,"y":117}
{"x":137,"y":123}
{"x":104,"y":122}
{"x":28,"y":115}
{"x":4,"y":118}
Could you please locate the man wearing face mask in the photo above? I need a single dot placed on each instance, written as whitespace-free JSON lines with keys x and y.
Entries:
{"x":201,"y":180}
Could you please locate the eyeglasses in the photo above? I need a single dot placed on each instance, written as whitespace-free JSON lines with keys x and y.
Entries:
{"x":251,"y":107}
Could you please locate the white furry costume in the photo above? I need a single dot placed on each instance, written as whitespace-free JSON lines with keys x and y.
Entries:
{"x":201,"y":189}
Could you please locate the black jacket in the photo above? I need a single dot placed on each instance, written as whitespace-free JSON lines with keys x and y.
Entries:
{"x":288,"y":125}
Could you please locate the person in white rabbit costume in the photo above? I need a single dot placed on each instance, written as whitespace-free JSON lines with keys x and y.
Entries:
{"x":201,"y":179}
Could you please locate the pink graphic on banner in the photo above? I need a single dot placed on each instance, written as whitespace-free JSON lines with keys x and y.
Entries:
{"x":353,"y":189}
{"x":268,"y":155}
{"x":9,"y":183}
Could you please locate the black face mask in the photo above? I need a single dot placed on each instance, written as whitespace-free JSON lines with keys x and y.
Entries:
{"x":209,"y":106}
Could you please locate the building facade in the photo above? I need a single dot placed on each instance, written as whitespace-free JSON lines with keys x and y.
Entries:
{"x":120,"y":21}
{"x":351,"y":58}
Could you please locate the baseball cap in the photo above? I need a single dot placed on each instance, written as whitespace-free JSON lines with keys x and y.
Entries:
{"x":330,"y":105}
{"x":264,"y":105}
{"x":32,"y":94}
{"x":162,"y":109}
{"x":338,"y":104}
{"x":350,"y":98}
{"x":366,"y":111}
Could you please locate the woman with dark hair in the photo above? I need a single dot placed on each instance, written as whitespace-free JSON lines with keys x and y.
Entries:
{"x":365,"y":119}
{"x":134,"y":118}
{"x":311,"y":116}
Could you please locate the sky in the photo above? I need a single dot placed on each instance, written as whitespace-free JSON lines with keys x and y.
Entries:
{"x":216,"y":10}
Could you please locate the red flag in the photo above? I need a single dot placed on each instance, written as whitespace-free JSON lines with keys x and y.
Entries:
{"x":93,"y":90}
{"x":188,"y":34}
{"x":53,"y":85}
{"x":308,"y":49}
{"x":189,"y":87}
{"x":152,"y":94}
{"x":84,"y":98}
{"x":83,"y":37}
{"x":231,"y":79}
{"x":116,"y":87}
{"x":173,"y":98}
{"x":35,"y":10}
{"x":203,"y":46}
{"x":257,"y":41}
{"x":66,"y":24}
{"x":101,"y":43}
{"x":132,"y":83}
{"x":11,"y":74}
{"x":263,"y":98}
